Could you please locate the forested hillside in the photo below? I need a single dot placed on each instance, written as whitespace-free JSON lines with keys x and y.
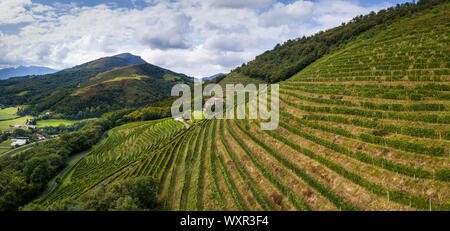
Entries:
{"x":91,"y":89}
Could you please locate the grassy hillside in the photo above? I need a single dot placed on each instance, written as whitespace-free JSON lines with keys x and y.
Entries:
{"x":8,"y":113}
{"x":93,"y":88}
{"x":126,"y":87}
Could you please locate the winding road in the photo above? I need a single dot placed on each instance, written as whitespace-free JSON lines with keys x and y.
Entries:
{"x":78,"y":157}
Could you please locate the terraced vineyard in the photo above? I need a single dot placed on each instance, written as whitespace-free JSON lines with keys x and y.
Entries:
{"x":376,"y":116}
{"x":365,"y":128}
{"x":125,"y":146}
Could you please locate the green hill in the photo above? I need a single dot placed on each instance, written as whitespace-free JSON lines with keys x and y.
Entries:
{"x":291,"y":57}
{"x":93,"y":88}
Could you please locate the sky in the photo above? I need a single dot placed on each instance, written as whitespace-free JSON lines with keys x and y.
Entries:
{"x":195,"y":37}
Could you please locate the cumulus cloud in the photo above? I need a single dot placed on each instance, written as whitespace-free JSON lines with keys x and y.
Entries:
{"x":241,"y":3}
{"x":282,"y":14}
{"x":195,"y":37}
{"x":331,"y":13}
{"x":167,"y":31}
{"x":14,"y":11}
{"x":225,"y":43}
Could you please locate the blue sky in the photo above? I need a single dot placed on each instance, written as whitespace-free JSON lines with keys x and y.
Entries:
{"x":196,"y":37}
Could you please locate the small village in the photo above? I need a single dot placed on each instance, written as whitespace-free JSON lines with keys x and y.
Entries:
{"x":20,"y":141}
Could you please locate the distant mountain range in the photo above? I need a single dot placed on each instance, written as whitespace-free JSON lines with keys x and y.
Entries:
{"x":24,"y":71}
{"x":213,"y":76}
{"x":93,"y":88}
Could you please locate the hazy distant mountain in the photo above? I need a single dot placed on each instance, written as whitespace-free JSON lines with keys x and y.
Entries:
{"x":24,"y":71}
{"x":212,"y":76}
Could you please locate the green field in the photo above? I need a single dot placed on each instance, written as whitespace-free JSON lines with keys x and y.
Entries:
{"x":7,"y":124}
{"x":5,"y":146}
{"x":170,"y":77}
{"x":132,"y":77}
{"x":8,"y":113}
{"x":55,"y":123}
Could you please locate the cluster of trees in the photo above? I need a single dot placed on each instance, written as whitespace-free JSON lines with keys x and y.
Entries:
{"x":136,"y":194}
{"x":294,"y":55}
{"x":149,"y":113}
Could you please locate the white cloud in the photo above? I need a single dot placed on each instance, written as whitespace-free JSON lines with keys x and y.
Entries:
{"x":167,"y":31}
{"x":241,"y":3}
{"x":282,"y":14}
{"x":13,"y":11}
{"x":331,"y":13}
{"x":194,"y":37}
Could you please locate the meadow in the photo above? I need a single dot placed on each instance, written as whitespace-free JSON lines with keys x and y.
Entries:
{"x":5,"y":146}
{"x":55,"y":123}
{"x":8,"y":124}
{"x":8,"y":113}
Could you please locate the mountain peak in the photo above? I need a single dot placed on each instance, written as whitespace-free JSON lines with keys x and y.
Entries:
{"x":130,"y":58}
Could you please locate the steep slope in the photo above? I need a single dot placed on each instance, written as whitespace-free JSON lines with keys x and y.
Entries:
{"x":291,"y":57}
{"x":24,"y":71}
{"x":107,"y":63}
{"x":92,"y":88}
{"x":131,"y":86}
{"x":34,"y":89}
